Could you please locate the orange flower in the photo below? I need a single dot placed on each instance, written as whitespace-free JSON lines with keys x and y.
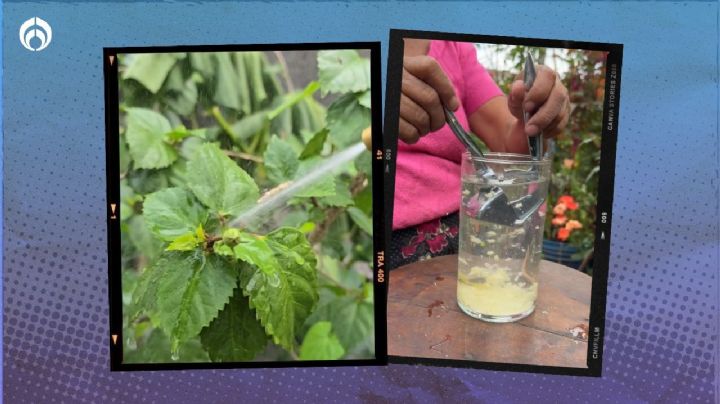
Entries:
{"x":568,"y":163}
{"x":568,"y":201}
{"x":559,"y":220}
{"x":563,"y":234}
{"x":560,"y":209}
{"x":573,"y":224}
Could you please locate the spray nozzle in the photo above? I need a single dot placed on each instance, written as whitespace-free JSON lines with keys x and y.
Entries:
{"x":367,"y":138}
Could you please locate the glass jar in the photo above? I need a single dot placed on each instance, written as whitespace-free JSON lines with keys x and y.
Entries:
{"x":502,"y":217}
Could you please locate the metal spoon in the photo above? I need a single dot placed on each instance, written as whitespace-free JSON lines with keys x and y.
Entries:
{"x":496,"y":208}
{"x":535,"y":143}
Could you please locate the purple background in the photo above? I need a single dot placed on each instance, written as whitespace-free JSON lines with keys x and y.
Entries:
{"x":662,"y":313}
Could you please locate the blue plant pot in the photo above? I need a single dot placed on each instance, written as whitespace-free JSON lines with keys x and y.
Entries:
{"x":560,"y":252}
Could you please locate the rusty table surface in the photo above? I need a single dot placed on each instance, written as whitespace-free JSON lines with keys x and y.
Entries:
{"x":424,"y":320}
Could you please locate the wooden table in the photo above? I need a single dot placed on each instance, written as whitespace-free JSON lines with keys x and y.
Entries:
{"x":424,"y":320}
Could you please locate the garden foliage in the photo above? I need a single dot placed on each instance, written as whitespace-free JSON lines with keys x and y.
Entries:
{"x":204,"y":136}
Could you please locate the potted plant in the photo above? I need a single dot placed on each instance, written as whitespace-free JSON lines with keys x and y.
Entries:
{"x":562,"y":224}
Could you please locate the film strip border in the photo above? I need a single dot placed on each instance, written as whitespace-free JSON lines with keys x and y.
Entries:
{"x":381,"y":213}
{"x":605,"y":187}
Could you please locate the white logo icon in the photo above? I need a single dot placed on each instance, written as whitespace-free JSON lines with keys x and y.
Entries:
{"x":35,"y":28}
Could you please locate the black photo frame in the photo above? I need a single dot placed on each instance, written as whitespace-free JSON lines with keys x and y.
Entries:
{"x":115,"y":332}
{"x":605,"y":186}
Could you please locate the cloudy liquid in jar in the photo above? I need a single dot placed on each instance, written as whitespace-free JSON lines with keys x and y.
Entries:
{"x":498,"y":264}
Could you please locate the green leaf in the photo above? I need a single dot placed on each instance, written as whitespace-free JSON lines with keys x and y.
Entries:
{"x":254,"y":65}
{"x":315,"y":145}
{"x":361,"y":219}
{"x":307,"y":227}
{"x":292,"y":249}
{"x":156,"y":349}
{"x":293,"y":98}
{"x":124,"y":155}
{"x":300,"y":118}
{"x":346,"y":119}
{"x":191,"y":144}
{"x":200,"y":233}
{"x":151,"y":69}
{"x":336,"y":243}
{"x":226,"y":89}
{"x":343,"y":71}
{"x":363,"y":163}
{"x":177,"y":134}
{"x":283,"y":300}
{"x":348,"y":278}
{"x":186,"y":242}
{"x":181,"y":132}
{"x":321,"y":344}
{"x":280,"y":160}
{"x":323,"y":186}
{"x":148,"y":181}
{"x":145,"y":135}
{"x":172,"y":212}
{"x":141,"y":237}
{"x":365,"y":100}
{"x":294,"y":218}
{"x":353,"y":321}
{"x":192,"y":291}
{"x":342,"y":196}
{"x":128,"y":280}
{"x":203,"y":63}
{"x":317,"y":113}
{"x":368,"y":293}
{"x":177,"y":175}
{"x":220,"y":183}
{"x":231,"y":234}
{"x":174,"y":80}
{"x":235,"y":335}
{"x":183,"y":99}
{"x":144,"y":296}
{"x":256,"y":251}
{"x":248,"y":126}
{"x":223,"y":249}
{"x":127,"y":200}
{"x":242,"y":82}
{"x":363,"y":200}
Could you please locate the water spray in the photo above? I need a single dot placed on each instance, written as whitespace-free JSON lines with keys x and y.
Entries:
{"x":270,"y":202}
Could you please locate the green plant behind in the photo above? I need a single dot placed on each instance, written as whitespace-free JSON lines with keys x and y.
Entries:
{"x":203,"y":137}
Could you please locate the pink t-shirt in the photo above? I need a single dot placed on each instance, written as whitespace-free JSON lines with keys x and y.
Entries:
{"x":427,"y":179}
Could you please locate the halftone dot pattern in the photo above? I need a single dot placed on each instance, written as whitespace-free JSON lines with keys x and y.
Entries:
{"x":662,"y":313}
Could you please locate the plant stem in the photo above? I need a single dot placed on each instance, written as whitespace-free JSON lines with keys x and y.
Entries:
{"x":293,"y":98}
{"x":215,"y":112}
{"x":258,"y":136}
{"x":286,"y":73}
{"x":244,"y":156}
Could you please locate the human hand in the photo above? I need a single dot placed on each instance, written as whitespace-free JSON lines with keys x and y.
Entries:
{"x":425,"y":89}
{"x":547,"y":103}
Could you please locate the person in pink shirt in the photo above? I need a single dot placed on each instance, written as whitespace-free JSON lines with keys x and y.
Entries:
{"x":427,"y":179}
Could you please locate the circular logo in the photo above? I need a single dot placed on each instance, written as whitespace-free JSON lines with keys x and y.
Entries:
{"x":35,"y":34}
